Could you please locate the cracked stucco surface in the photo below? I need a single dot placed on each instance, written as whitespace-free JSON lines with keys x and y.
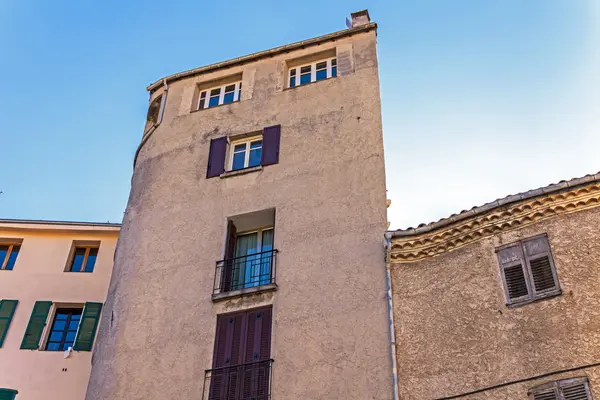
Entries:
{"x":330,"y":322}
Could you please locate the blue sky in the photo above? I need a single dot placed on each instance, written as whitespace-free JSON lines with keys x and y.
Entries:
{"x":480,"y":99}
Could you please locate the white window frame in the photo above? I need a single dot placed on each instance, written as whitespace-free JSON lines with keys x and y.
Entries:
{"x":205,"y":94}
{"x":313,"y":71}
{"x":247,"y":142}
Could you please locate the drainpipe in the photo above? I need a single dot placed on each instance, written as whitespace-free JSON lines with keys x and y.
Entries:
{"x":388,"y":281}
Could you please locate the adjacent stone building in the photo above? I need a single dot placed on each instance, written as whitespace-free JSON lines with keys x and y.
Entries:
{"x":53,"y":282}
{"x":251,"y":262}
{"x":502,"y":301}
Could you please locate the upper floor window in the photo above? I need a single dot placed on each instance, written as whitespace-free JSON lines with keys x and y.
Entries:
{"x":83,"y":258}
{"x":528,"y":270}
{"x":245,"y":153}
{"x":316,"y":71}
{"x":219,"y":95}
{"x":64,"y":329}
{"x":566,"y":389}
{"x":9,"y":252}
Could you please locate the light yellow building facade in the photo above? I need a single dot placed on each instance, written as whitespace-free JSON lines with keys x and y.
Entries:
{"x":62,"y":269}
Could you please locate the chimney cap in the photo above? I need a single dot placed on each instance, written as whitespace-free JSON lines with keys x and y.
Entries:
{"x":360,"y":17}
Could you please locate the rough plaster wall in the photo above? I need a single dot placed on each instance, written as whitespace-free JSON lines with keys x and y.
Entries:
{"x":330,"y":321}
{"x":455,"y":333}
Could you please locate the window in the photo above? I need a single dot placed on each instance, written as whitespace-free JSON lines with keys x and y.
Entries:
{"x":72,"y":326}
{"x":220,"y":95}
{"x":8,"y":255}
{"x":528,"y":270}
{"x":316,"y":71}
{"x":83,"y":259}
{"x":566,"y":389}
{"x":241,"y":358}
{"x":253,"y":256}
{"x":245,"y":153}
{"x":7,"y":394}
{"x":64,"y":329}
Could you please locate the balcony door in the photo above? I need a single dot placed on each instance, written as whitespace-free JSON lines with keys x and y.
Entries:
{"x":253,"y":258}
{"x":241,"y":359}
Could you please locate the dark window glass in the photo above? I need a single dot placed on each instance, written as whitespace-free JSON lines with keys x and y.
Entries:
{"x":78,"y":259}
{"x":292,"y":81}
{"x":333,"y":72}
{"x":306,"y":69}
{"x":229,"y":88}
{"x":91,"y":260}
{"x":304,"y":79}
{"x":215,"y":92}
{"x":201,"y":106}
{"x":322,"y":65}
{"x":12,"y":258}
{"x":214,"y":101}
{"x":238,"y":160}
{"x":228,"y":98}
{"x":64,"y":329}
{"x":322,"y":74}
{"x":293,"y":72}
{"x":255,"y":154}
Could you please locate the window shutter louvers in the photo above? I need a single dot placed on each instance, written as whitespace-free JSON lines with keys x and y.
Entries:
{"x":575,"y":392}
{"x":513,"y":274}
{"x":7,"y":394}
{"x":35,"y":327}
{"x":545,"y":396}
{"x":7,"y":310}
{"x":270,"y":146}
{"x":216,"y":157}
{"x":87,"y":327}
{"x":515,"y":282}
{"x":537,"y":252}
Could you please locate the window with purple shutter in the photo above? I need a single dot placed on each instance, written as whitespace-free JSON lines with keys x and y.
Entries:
{"x":270,"y":145}
{"x":216,"y":157}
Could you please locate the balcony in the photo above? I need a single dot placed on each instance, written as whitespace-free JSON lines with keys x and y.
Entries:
{"x":250,"y":381}
{"x":246,"y":274}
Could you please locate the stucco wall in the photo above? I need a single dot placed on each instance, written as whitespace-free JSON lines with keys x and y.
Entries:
{"x":455,"y":334}
{"x":39,"y":275}
{"x":330,"y":322}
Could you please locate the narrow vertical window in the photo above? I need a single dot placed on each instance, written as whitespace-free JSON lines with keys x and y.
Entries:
{"x":8,"y":255}
{"x":292,"y":77}
{"x":305,"y":74}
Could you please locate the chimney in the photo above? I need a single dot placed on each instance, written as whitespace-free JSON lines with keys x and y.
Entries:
{"x":359,"y":18}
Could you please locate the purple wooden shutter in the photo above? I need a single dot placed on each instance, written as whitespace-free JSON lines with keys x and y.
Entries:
{"x":270,"y":145}
{"x":229,"y":254}
{"x":216,"y":157}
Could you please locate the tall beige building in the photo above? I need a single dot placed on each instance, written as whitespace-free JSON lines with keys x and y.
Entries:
{"x":502,"y":301}
{"x":251,"y":260}
{"x":54,"y":278}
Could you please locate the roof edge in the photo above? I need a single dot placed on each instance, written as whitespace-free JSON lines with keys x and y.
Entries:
{"x":545,"y":190}
{"x":263,"y":54}
{"x":54,"y":222}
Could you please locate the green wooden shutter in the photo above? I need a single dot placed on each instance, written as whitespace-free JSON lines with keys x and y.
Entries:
{"x":36,"y":325}
{"x":7,"y":394}
{"x":87,"y":327}
{"x":7,"y":310}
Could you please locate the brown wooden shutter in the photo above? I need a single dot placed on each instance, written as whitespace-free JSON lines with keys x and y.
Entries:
{"x":541,"y":265}
{"x":513,"y":274}
{"x":216,"y":157}
{"x":229,"y":255}
{"x":270,"y":145}
{"x":7,"y":310}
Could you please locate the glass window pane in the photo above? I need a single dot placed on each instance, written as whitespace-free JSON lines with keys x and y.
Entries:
{"x":306,"y":69}
{"x":214,"y":101}
{"x":333,"y":72}
{"x":239,"y":147}
{"x":61,"y":316}
{"x":78,"y":259}
{"x":322,"y":65}
{"x":203,"y":95}
{"x":67,"y":345}
{"x":254,"y":157}
{"x":238,"y":160}
{"x":53,"y":346}
{"x":229,"y":88}
{"x":292,"y":81}
{"x":91,"y":260}
{"x":304,"y":79}
{"x":201,"y":106}
{"x":12,"y":259}
{"x":56,"y":336}
{"x":3,"y":253}
{"x":322,"y":74}
{"x":334,"y":62}
{"x":59,"y":325}
{"x":215,"y":92}
{"x":293,"y":72}
{"x":73,"y":325}
{"x":255,"y":145}
{"x":228,"y":98}
{"x":71,"y":337}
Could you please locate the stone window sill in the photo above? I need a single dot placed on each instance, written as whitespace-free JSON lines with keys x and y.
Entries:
{"x":244,"y":292}
{"x":243,"y":171}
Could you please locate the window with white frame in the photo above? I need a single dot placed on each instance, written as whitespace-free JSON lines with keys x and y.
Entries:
{"x":219,"y":95}
{"x":245,"y":153}
{"x":316,"y":71}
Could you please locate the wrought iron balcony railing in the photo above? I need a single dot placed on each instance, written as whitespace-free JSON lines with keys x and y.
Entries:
{"x":250,"y":381}
{"x":245,"y":272}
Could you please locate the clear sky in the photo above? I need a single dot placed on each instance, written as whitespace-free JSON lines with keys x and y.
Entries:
{"x":480,"y":99}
